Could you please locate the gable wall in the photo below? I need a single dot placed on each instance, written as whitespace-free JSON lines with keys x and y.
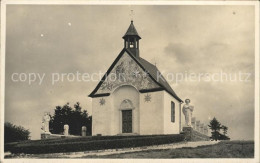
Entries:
{"x":126,"y":72}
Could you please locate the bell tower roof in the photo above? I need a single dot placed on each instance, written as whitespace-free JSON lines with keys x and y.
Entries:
{"x":131,"y":31}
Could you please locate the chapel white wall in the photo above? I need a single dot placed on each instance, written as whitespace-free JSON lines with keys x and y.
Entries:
{"x":171,"y":127}
{"x":151,"y":114}
{"x":101,"y":116}
{"x":149,"y":118}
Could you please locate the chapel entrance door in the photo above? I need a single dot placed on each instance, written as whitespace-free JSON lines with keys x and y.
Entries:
{"x":127,"y":121}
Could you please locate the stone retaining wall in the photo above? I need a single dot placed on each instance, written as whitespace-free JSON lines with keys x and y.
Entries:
{"x":193,"y":135}
{"x":55,"y":136}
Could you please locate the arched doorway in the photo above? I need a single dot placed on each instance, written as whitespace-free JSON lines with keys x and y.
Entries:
{"x":126,"y":108}
{"x":125,"y":97}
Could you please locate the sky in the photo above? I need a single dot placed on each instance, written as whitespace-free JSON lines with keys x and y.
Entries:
{"x":42,"y":39}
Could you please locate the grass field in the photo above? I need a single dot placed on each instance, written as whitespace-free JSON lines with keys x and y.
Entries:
{"x":227,"y":149}
{"x":224,"y":149}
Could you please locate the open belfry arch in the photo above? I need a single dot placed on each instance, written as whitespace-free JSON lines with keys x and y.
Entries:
{"x":133,"y":97}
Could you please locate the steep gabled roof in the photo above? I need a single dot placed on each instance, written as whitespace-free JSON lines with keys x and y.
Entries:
{"x":131,"y":31}
{"x":147,"y":67}
{"x":154,"y":73}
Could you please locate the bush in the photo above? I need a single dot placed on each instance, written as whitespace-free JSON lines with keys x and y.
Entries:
{"x":82,"y":139}
{"x":74,"y":117}
{"x":93,"y":143}
{"x":13,"y":133}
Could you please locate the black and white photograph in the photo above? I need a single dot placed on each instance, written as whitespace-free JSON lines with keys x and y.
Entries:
{"x":130,"y":81}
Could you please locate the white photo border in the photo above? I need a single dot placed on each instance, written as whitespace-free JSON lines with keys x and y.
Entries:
{"x":4,"y":3}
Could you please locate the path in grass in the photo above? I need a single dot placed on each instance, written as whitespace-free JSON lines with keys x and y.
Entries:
{"x":228,"y":149}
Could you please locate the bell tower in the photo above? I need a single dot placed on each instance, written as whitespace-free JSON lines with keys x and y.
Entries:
{"x":131,"y":40}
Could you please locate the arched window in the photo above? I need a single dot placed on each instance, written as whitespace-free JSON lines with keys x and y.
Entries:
{"x":172,"y":111}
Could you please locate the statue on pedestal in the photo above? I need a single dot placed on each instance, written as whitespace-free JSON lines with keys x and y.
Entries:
{"x":45,"y":123}
{"x":187,"y":110}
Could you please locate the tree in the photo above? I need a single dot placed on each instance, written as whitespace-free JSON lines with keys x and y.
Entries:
{"x":74,"y":117}
{"x":215,"y":126}
{"x":13,"y":133}
{"x":224,"y":128}
{"x":224,"y":135}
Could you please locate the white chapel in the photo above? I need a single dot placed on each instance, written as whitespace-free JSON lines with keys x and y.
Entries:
{"x":131,"y":99}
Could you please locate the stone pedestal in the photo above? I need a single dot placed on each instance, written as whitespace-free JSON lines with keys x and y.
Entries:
{"x":193,"y":135}
{"x":45,"y":135}
{"x":84,"y":131}
{"x":197,"y":125}
{"x":205,"y":130}
{"x":201,"y":128}
{"x":66,"y":130}
{"x":193,"y":122}
{"x":188,"y":133}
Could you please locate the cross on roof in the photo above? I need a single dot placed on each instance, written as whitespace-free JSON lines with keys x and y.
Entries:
{"x":132,"y":15}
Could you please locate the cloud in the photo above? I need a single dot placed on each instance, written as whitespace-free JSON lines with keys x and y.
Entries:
{"x":181,"y":52}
